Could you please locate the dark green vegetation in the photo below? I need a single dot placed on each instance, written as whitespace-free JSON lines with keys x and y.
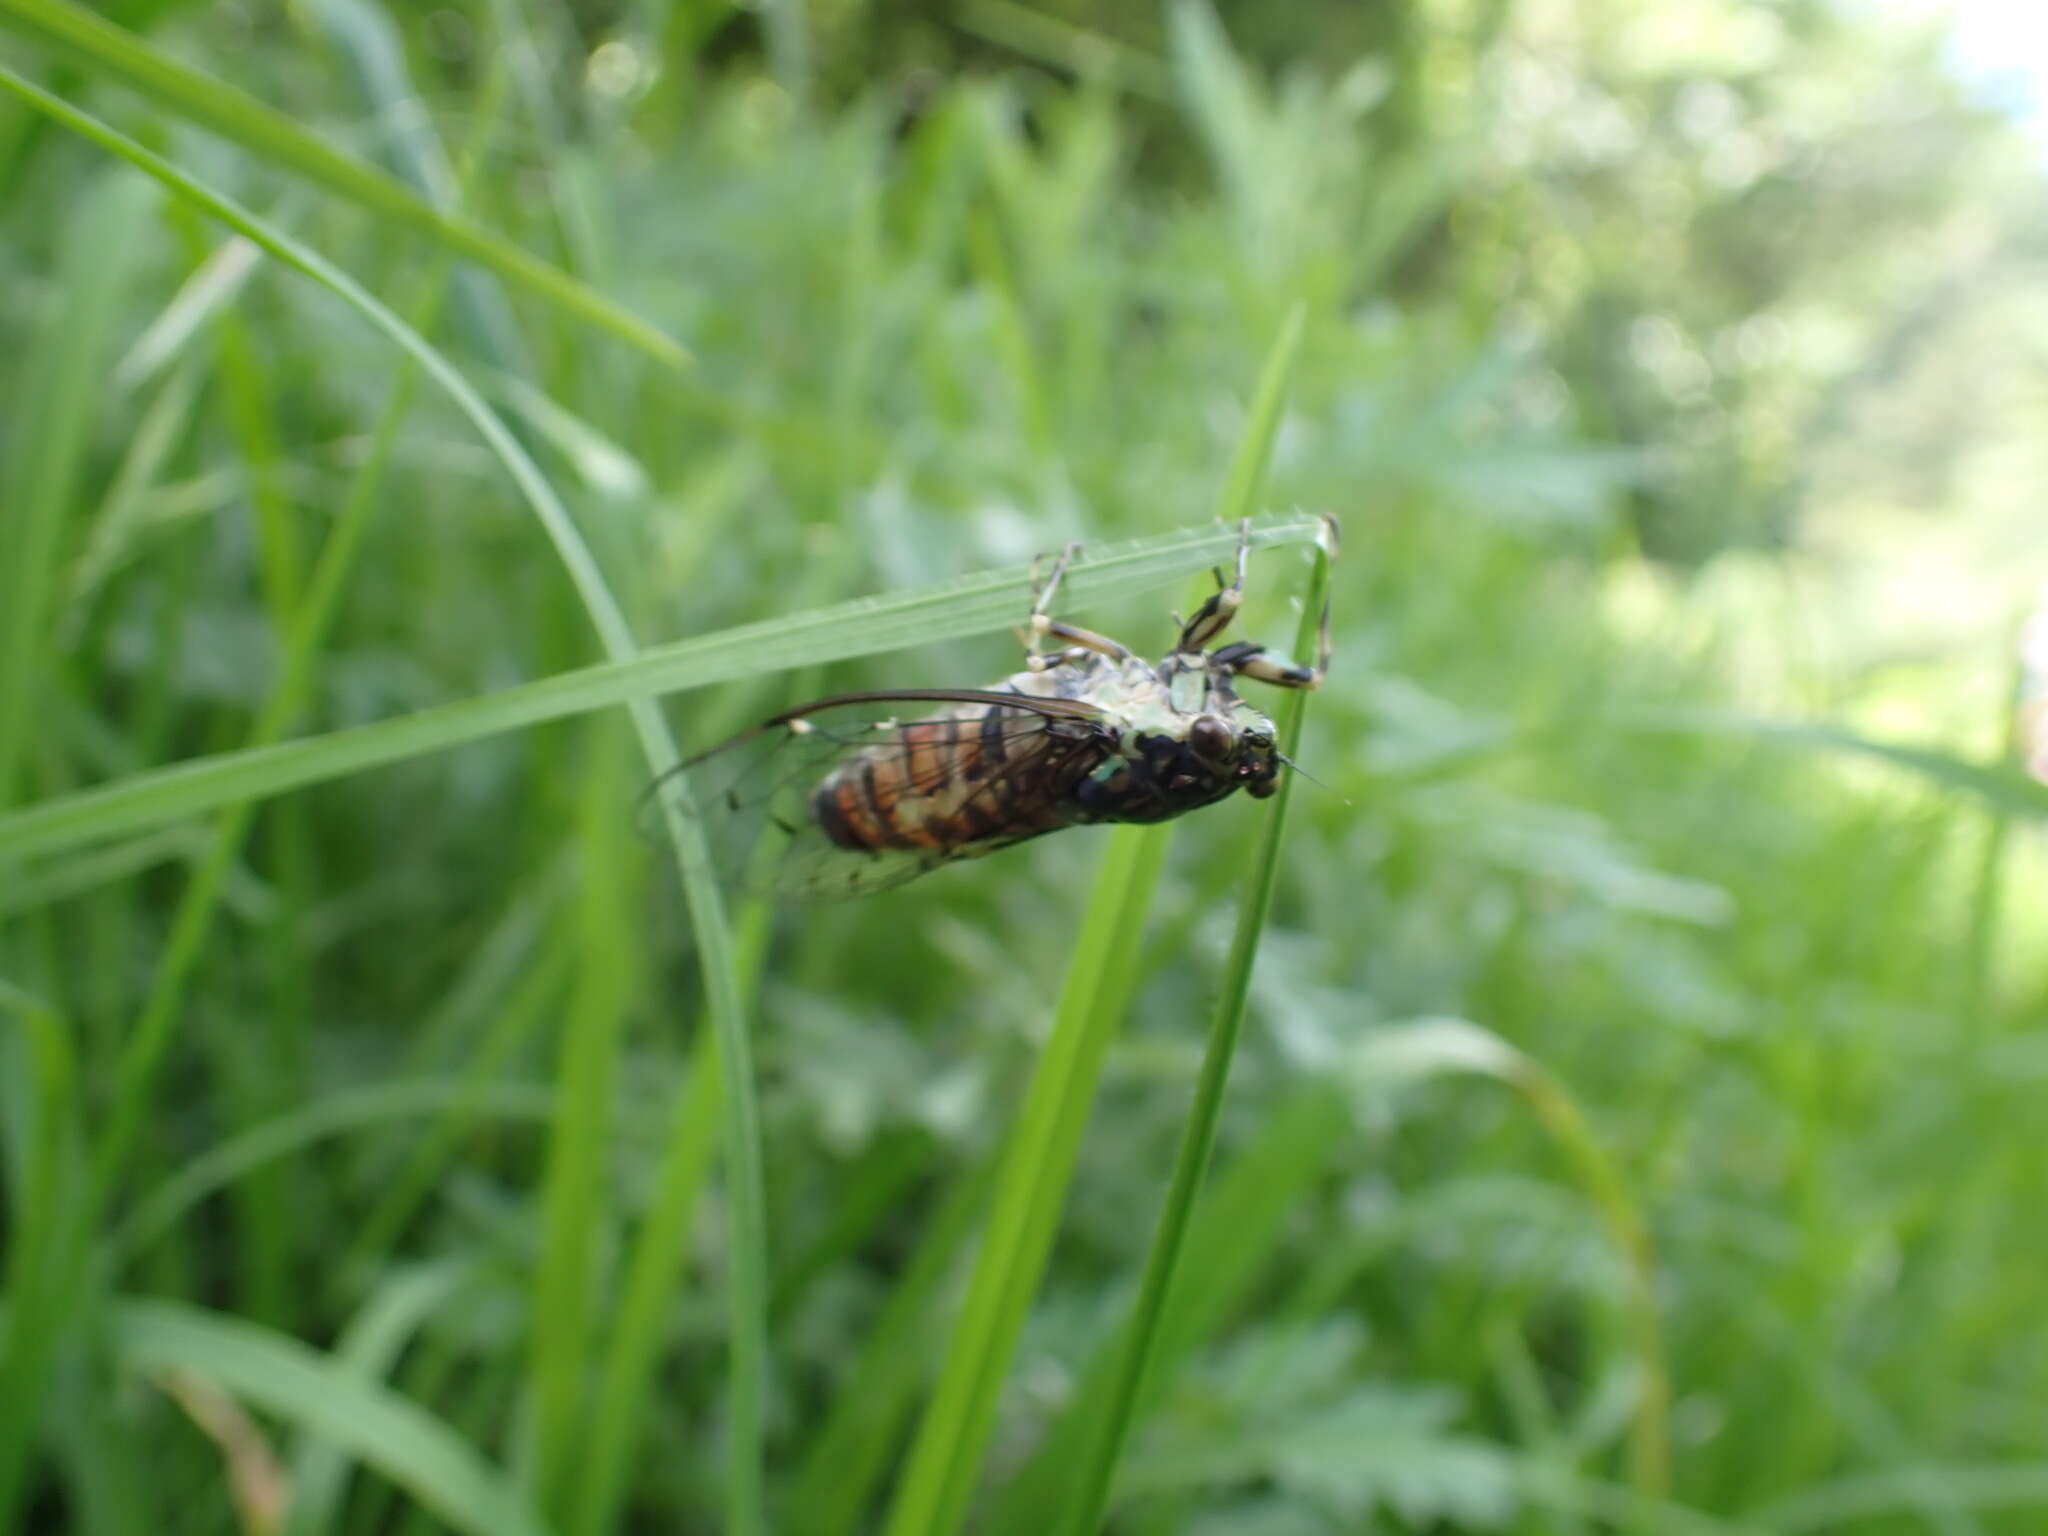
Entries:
{"x":1631,"y":1113}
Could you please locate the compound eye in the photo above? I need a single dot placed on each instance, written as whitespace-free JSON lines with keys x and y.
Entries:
{"x":1210,"y":739}
{"x":1257,"y":739}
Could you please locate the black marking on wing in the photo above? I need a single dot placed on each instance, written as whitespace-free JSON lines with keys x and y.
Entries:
{"x":763,"y":782}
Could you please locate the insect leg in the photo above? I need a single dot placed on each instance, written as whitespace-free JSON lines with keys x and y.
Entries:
{"x":1079,"y":641}
{"x":1214,"y":616}
{"x":1256,"y":661}
{"x":1041,"y":603}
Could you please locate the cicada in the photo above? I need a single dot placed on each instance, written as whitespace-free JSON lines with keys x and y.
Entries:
{"x":869,"y":790}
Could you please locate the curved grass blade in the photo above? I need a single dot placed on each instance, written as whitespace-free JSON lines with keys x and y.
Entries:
{"x":407,"y":1444}
{"x":370,"y":1345}
{"x":978,"y":604}
{"x":144,"y":1052}
{"x":272,"y":135}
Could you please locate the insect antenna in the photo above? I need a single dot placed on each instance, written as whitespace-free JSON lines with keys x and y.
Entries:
{"x":1295,"y":767}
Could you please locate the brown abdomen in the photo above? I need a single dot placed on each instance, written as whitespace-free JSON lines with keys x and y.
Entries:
{"x":935,"y":786}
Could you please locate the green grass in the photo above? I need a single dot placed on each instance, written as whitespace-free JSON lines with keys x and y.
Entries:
{"x":365,"y":1068}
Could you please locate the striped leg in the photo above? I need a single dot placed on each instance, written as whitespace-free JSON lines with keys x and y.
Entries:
{"x":1214,"y":616}
{"x":1246,"y":659}
{"x":1079,"y":642}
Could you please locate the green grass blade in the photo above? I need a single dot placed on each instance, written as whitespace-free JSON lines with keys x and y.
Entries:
{"x":369,"y":1346}
{"x":39,"y":1139}
{"x":247,"y":397}
{"x":336,"y":1114}
{"x":573,"y":1204}
{"x":654,"y":1262}
{"x":274,"y":136}
{"x":284,"y":1377}
{"x":1038,"y":1163}
{"x":52,"y":431}
{"x":1262,"y":423}
{"x":976,"y":605}
{"x":1237,"y":1230}
{"x":366,"y":35}
{"x":1090,"y":1490}
{"x":65,"y":879}
{"x":646,"y":1297}
{"x":847,"y":1462}
{"x":407,"y":1183}
{"x":1085,"y":52}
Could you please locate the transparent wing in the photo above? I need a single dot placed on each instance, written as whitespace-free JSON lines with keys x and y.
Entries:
{"x":753,"y":795}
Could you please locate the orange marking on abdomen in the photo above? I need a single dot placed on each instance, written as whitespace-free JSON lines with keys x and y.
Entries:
{"x":924,"y":752}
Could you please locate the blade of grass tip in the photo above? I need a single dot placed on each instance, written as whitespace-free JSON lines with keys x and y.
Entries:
{"x":747,"y":1246}
{"x":977,"y":604}
{"x":1089,"y":1496}
{"x":273,"y":136}
{"x":1037,"y":1164}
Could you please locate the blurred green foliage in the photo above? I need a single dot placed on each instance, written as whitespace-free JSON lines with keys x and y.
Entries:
{"x":1643,"y":346}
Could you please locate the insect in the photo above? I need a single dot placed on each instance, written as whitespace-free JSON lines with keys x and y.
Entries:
{"x":1088,"y":732}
